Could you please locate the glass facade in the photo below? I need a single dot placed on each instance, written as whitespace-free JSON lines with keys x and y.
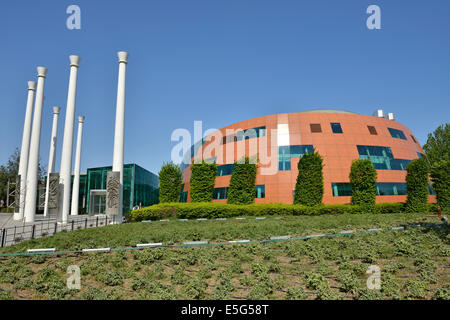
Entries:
{"x":140,"y":187}
{"x":382,"y":158}
{"x":260,"y":191}
{"x":395,"y":133}
{"x":183,"y":194}
{"x":285,"y":153}
{"x":336,"y":127}
{"x":82,"y":195}
{"x":341,"y":189}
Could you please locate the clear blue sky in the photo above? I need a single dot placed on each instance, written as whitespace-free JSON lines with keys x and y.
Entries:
{"x":220,"y":61}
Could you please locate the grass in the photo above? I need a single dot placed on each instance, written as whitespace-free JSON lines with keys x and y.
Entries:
{"x":414,"y":263}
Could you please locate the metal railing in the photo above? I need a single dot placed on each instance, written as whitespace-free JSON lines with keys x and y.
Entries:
{"x":17,"y":234}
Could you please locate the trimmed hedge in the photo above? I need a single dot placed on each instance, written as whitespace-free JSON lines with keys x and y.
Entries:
{"x":214,"y":210}
{"x":309,"y":186}
{"x":440,"y":175}
{"x":242,"y":183}
{"x":417,"y":185}
{"x":202,"y":181}
{"x":363,"y":179}
{"x":170,"y":177}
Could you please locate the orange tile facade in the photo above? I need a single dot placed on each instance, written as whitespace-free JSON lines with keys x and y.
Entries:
{"x":337,"y":150}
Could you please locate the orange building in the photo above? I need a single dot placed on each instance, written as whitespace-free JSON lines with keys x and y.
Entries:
{"x":278,"y":142}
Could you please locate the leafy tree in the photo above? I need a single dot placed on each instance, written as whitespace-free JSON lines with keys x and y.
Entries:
{"x":170,"y":177}
{"x":9,"y":172}
{"x":438,"y":144}
{"x":309,"y":186}
{"x":242,"y":184}
{"x":202,"y":181}
{"x":440,"y":176}
{"x":363,"y":179}
{"x":417,"y":186}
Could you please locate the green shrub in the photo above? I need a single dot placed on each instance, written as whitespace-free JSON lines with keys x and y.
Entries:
{"x":363,"y":179}
{"x":309,"y":186}
{"x":242,"y":184}
{"x":169,"y":183}
{"x":202,"y":181}
{"x":417,"y":186}
{"x":212,"y":210}
{"x":440,"y":176}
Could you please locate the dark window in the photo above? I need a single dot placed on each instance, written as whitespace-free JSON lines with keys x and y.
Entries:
{"x":220,"y":193}
{"x":315,"y":127}
{"x":382,"y":189}
{"x":260,"y":191}
{"x":336,"y":127}
{"x":395,"y":133}
{"x":372,"y":130}
{"x":225,"y":170}
{"x":285,"y":153}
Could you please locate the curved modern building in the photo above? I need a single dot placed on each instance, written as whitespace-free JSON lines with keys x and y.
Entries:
{"x":278,"y":142}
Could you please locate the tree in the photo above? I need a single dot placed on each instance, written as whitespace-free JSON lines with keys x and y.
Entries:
{"x":437,"y":146}
{"x":202,"y":181}
{"x":309,"y":186}
{"x":440,"y":176}
{"x":10,"y":171}
{"x":417,"y":186}
{"x":242,"y":183}
{"x":363,"y":179}
{"x":170,"y":177}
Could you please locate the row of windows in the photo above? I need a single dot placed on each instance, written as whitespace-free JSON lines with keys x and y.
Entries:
{"x":245,"y":135}
{"x":336,"y":128}
{"x":382,"y":158}
{"x":342,"y":189}
{"x":221,"y":193}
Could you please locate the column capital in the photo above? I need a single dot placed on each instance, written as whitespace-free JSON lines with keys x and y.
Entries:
{"x":42,"y":71}
{"x":81,"y":119}
{"x":56,"y":110}
{"x":32,"y":85}
{"x":123,"y":56}
{"x":74,"y":61}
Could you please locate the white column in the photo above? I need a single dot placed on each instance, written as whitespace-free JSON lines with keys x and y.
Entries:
{"x":33,"y":159}
{"x":25,"y":149}
{"x":67,"y":148}
{"x":76,"y":178}
{"x":51,"y":157}
{"x":120,"y":124}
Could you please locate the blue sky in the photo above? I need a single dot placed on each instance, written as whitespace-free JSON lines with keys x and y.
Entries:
{"x":220,"y":62}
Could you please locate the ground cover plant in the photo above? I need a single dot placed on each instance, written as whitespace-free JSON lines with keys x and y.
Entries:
{"x":414,"y":263}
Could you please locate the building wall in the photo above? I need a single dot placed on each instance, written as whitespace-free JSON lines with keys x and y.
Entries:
{"x":337,"y":149}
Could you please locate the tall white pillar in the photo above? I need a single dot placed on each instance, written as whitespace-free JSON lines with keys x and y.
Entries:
{"x":76,"y":177}
{"x":25,"y":149}
{"x":33,"y":159}
{"x":120,"y":124}
{"x":66,"y":158}
{"x":51,"y":157}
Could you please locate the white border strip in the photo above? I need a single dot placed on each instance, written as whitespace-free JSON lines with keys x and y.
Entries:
{"x":97,"y":249}
{"x":195,"y":242}
{"x":158,"y":244}
{"x":42,"y":250}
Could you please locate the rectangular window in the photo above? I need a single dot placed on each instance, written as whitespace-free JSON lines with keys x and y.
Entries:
{"x":225,"y":170}
{"x":336,"y":127}
{"x":285,"y":153}
{"x":260,"y":191}
{"x":220,"y":193}
{"x":245,"y":135}
{"x":395,"y":133}
{"x":315,"y":127}
{"x":372,"y":130}
{"x":341,"y":189}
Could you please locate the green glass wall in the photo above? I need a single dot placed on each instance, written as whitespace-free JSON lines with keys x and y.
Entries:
{"x":140,"y":186}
